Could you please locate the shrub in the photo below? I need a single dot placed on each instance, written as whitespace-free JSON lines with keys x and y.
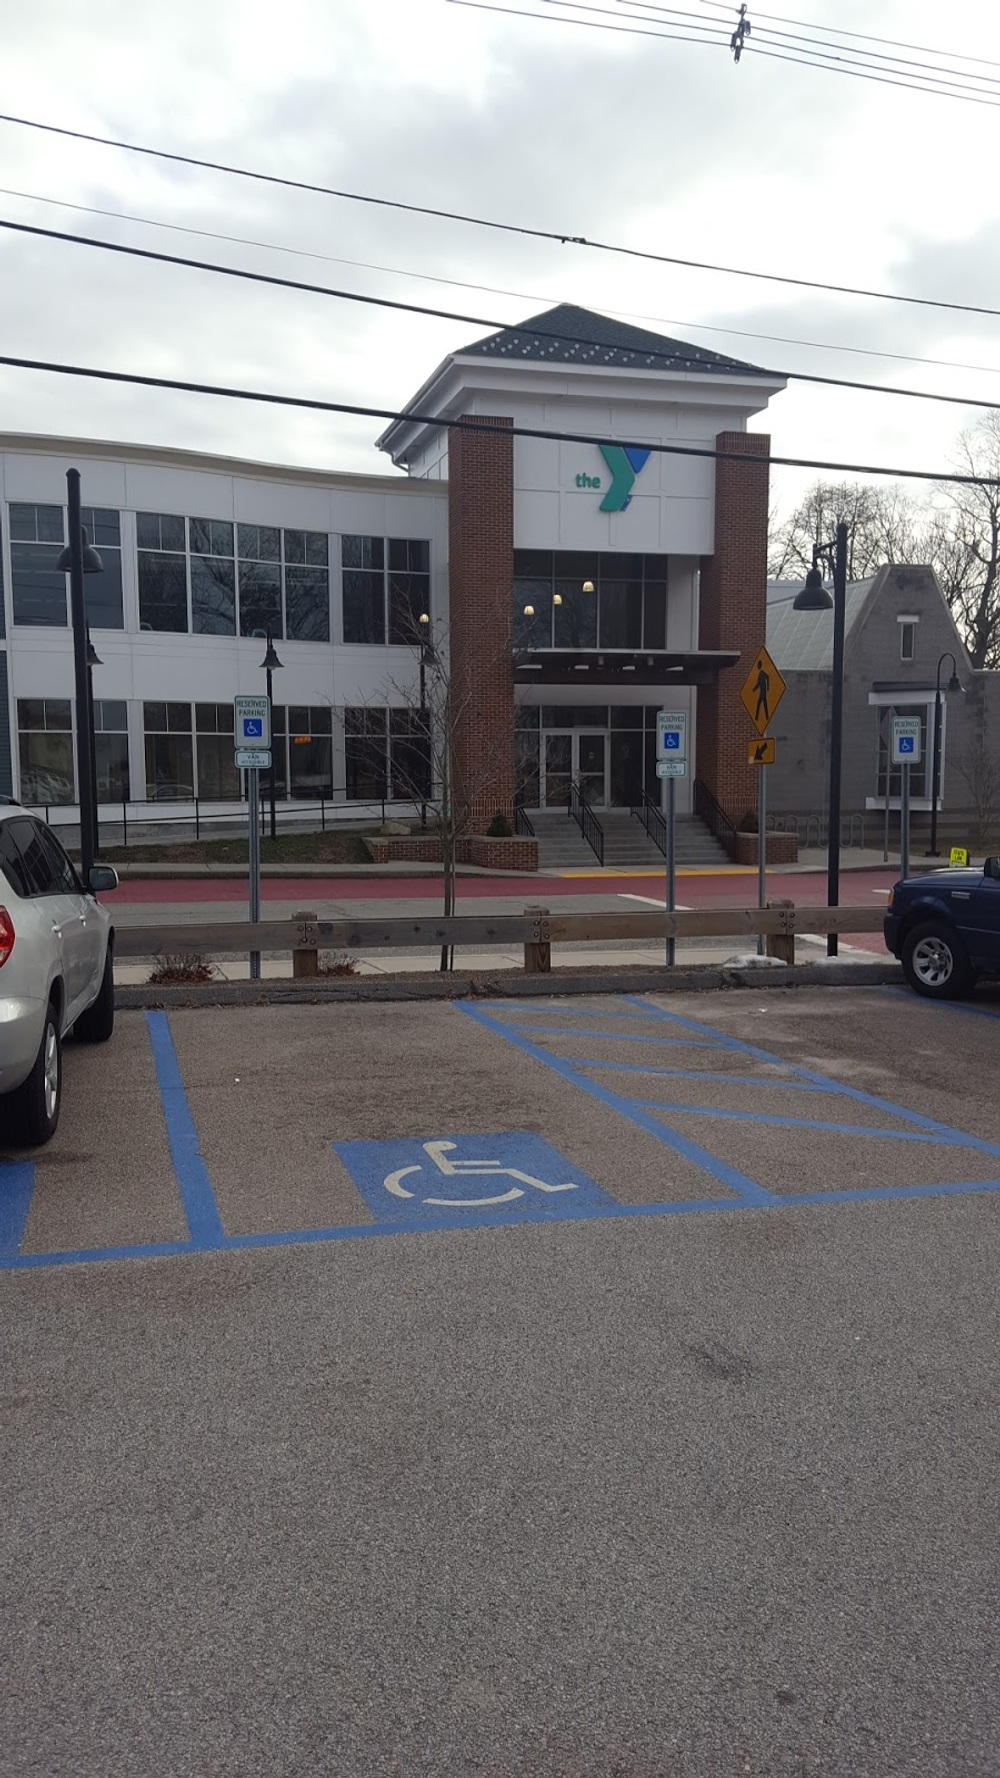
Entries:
{"x":499,"y":828}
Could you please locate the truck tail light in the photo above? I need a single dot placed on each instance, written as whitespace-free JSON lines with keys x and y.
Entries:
{"x":6,"y":936}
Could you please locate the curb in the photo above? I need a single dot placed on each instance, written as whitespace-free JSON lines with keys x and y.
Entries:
{"x":508,"y":985}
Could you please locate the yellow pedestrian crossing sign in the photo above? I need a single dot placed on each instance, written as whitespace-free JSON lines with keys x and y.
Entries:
{"x":762,"y":690}
{"x":761,"y":753}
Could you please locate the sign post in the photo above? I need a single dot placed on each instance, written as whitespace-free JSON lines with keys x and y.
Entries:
{"x":671,"y":763}
{"x":760,"y":694}
{"x":252,"y":730}
{"x":905,"y":753}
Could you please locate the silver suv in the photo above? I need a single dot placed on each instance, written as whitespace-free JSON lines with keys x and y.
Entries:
{"x":56,"y":971}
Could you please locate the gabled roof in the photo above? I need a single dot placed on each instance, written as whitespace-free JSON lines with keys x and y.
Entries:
{"x":802,"y":641}
{"x":568,"y":335}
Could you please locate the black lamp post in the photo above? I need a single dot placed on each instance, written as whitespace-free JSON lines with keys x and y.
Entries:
{"x":426,"y":659}
{"x":93,"y":660}
{"x":76,"y":560}
{"x":270,"y":664}
{"x":814,"y":597}
{"x":954,"y":684}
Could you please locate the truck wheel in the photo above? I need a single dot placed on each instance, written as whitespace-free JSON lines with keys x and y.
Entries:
{"x":936,"y":963}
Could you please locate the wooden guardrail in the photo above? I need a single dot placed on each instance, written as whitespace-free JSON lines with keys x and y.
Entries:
{"x":537,"y":929}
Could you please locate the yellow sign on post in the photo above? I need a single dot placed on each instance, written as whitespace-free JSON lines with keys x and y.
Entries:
{"x":761,"y":753}
{"x":958,"y":855}
{"x":762,"y":690}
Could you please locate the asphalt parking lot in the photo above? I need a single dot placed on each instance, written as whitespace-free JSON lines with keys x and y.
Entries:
{"x":603,"y":1388}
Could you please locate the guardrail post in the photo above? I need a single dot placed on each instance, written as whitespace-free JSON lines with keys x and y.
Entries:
{"x":305,"y":952}
{"x":782,"y":944}
{"x":538,"y":952}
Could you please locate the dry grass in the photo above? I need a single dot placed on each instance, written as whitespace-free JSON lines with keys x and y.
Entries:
{"x":181,"y":968}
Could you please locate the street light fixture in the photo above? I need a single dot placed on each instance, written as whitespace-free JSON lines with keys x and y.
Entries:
{"x":270,"y":664}
{"x":76,"y":560}
{"x":954,"y":684}
{"x":814,"y":597}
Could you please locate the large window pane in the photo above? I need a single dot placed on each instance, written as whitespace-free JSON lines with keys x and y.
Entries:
{"x":213,"y":595}
{"x":169,"y":768}
{"x":260,"y":598}
{"x":210,"y":537}
{"x":365,"y":754}
{"x":621,"y":614}
{"x":112,"y":768}
{"x":38,"y":587}
{"x":307,"y":603}
{"x":162,"y":592}
{"x":409,"y":598}
{"x":218,"y":779}
{"x":576,"y":617}
{"x":409,"y":756}
{"x":45,"y":750}
{"x":359,"y":552}
{"x":103,"y":592}
{"x":654,"y":622}
{"x":364,"y":606}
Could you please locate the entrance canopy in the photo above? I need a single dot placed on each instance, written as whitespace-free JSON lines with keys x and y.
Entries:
{"x":620,"y":667}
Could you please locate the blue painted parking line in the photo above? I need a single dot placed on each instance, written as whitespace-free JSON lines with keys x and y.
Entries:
{"x":17,"y":1185}
{"x":579,"y":1070}
{"x":197,"y":1196}
{"x":976,"y":1012}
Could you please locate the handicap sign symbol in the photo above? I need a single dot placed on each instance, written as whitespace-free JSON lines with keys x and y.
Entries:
{"x":905,"y":743}
{"x":450,"y":1181}
{"x":671,"y":739}
{"x":253,"y":728}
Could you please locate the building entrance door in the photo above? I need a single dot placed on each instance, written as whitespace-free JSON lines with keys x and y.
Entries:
{"x":557,"y":773}
{"x":574,"y":757}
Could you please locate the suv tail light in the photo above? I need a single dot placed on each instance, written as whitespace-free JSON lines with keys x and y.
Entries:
{"x":6,"y":936}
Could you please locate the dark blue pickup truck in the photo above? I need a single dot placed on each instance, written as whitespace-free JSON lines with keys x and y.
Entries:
{"x":945,"y":929}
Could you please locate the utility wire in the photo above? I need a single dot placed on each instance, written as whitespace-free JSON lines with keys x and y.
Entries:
{"x":513,"y":228}
{"x":865,"y":36}
{"x":396,"y":271}
{"x":387,"y":302}
{"x":833,"y":64}
{"x":414,"y":417}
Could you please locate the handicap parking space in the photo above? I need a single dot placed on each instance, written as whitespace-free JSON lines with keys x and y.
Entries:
{"x":224,"y":1128}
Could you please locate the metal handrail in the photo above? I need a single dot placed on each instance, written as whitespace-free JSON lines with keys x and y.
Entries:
{"x":586,"y":821}
{"x":715,"y":817}
{"x":522,"y":822}
{"x":653,"y":820}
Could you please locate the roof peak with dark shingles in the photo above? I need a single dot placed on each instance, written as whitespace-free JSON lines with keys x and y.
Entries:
{"x":568,"y":335}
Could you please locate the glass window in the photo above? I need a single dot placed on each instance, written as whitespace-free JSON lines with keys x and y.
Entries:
{"x":576,"y":617}
{"x":386,"y":588}
{"x":45,"y":751}
{"x":365,"y":733}
{"x":210,"y":537}
{"x":887,"y":774}
{"x":218,"y":778}
{"x":111,"y":744}
{"x":307,"y":603}
{"x":37,"y":864}
{"x":310,"y":752}
{"x":907,"y":638}
{"x":410,"y":755}
{"x":162,"y":561}
{"x":364,"y":605}
{"x":63,"y":877}
{"x":102,"y":592}
{"x":213,"y":594}
{"x":169,"y":752}
{"x":12,"y":861}
{"x":620,"y":614}
{"x":39,"y":589}
{"x":654,"y":614}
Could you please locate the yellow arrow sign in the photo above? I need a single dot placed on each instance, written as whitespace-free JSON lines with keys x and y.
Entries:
{"x":762,"y":690}
{"x":761,"y":753}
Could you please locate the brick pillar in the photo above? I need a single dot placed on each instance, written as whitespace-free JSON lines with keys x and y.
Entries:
{"x":480,"y":583}
{"x":733,"y":614}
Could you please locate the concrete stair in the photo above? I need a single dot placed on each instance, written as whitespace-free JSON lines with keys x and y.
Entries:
{"x":627,"y":846}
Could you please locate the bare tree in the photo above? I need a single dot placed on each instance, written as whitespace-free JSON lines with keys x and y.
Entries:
{"x":884,"y":525}
{"x":964,"y":542}
{"x":979,"y":771}
{"x":424,"y":771}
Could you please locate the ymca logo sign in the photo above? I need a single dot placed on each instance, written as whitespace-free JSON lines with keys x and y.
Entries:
{"x":624,"y":462}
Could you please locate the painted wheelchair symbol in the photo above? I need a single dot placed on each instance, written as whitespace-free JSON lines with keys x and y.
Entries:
{"x":436,"y":1151}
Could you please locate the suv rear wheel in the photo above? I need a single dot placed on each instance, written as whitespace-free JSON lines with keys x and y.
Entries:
{"x":936,"y":963}
{"x":35,"y":1104}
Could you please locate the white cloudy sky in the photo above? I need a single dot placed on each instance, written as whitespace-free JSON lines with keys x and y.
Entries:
{"x":648,"y":143}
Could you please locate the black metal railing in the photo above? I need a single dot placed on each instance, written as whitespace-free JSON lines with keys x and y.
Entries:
{"x":292,"y":815}
{"x":715,"y":817}
{"x":582,"y":813}
{"x":653,"y":820}
{"x":522,"y":823}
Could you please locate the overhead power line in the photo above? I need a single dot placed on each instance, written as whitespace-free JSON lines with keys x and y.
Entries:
{"x":943,"y":86}
{"x":386,"y":302}
{"x":415,"y":417}
{"x":512,"y":228}
{"x":865,"y":36}
{"x":396,"y":271}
